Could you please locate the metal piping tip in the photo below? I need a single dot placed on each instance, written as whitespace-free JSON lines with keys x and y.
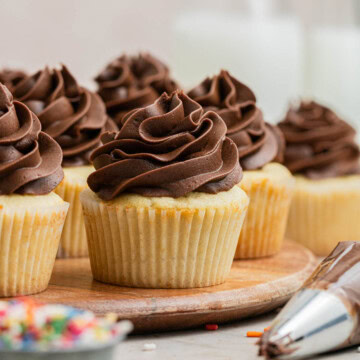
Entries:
{"x":314,"y":321}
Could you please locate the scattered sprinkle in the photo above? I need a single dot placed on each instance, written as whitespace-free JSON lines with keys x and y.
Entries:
{"x":267,"y":328}
{"x":211,"y":327}
{"x":27,"y":325}
{"x":254,"y":333}
{"x":149,"y":347}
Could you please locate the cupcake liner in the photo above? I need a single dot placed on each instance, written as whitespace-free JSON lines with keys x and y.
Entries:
{"x":73,"y":239}
{"x":149,"y":247}
{"x":270,"y":193}
{"x":325,"y":212}
{"x":29,"y":240}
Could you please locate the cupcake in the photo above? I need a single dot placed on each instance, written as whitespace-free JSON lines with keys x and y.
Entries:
{"x":268,"y":184}
{"x":322,"y":154}
{"x":76,"y":118}
{"x":31,"y":214}
{"x":11,"y":77}
{"x":163,"y":209}
{"x":132,"y":82}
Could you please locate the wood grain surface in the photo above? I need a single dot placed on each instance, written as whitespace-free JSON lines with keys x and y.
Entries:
{"x":253,"y":287}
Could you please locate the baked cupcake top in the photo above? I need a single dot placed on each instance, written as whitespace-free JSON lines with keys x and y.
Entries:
{"x":169,"y":148}
{"x":74,"y":116}
{"x":258,"y":142}
{"x":11,"y":77}
{"x":30,"y":160}
{"x":319,"y":143}
{"x":131,"y":82}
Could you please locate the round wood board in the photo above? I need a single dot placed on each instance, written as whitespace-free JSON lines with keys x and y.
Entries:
{"x":253,"y":287}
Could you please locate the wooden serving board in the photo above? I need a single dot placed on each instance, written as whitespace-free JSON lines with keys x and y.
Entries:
{"x":253,"y":287}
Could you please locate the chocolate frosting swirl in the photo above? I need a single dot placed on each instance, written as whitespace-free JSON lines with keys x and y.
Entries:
{"x":131,"y":82}
{"x":258,"y":142}
{"x":75,"y":117}
{"x":11,"y":77}
{"x":30,"y":160}
{"x":169,"y":148}
{"x":319,"y":143}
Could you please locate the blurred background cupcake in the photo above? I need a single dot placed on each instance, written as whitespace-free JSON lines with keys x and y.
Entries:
{"x":75,"y":117}
{"x":31,"y":214}
{"x":164,"y":210}
{"x":268,"y":184}
{"x":322,"y":153}
{"x":131,"y":82}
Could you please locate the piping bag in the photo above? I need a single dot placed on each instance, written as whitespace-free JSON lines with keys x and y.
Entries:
{"x":324,"y":315}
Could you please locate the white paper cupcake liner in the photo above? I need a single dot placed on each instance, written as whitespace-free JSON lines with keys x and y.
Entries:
{"x":73,"y":240}
{"x":265,"y":223}
{"x":162,"y":248}
{"x":29,"y":240}
{"x":325,"y":212}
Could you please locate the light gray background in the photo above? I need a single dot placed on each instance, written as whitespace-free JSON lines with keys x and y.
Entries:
{"x":87,"y":34}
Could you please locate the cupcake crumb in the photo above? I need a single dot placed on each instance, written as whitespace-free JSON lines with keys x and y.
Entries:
{"x":149,"y":347}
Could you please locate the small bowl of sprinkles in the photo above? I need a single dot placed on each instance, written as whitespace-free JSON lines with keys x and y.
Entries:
{"x":29,"y":330}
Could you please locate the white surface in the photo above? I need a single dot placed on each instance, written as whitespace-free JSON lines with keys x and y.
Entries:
{"x":227,"y":343}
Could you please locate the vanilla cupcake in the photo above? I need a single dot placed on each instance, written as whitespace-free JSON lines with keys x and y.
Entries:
{"x":76,"y":118}
{"x":268,"y":184}
{"x":164,"y":210}
{"x":131,"y":82}
{"x":322,"y":153}
{"x":31,"y":215}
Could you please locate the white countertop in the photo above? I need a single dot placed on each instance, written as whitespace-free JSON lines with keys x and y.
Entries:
{"x":227,"y":343}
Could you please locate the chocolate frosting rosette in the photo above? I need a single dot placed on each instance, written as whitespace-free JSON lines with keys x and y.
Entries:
{"x":319,"y":143}
{"x":261,"y":147}
{"x":76,"y":118}
{"x":322,"y":152}
{"x":170,"y":166}
{"x":30,"y":160}
{"x":170,"y":148}
{"x":258,"y":142}
{"x":30,"y":169}
{"x":131,"y":82}
{"x":11,"y":77}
